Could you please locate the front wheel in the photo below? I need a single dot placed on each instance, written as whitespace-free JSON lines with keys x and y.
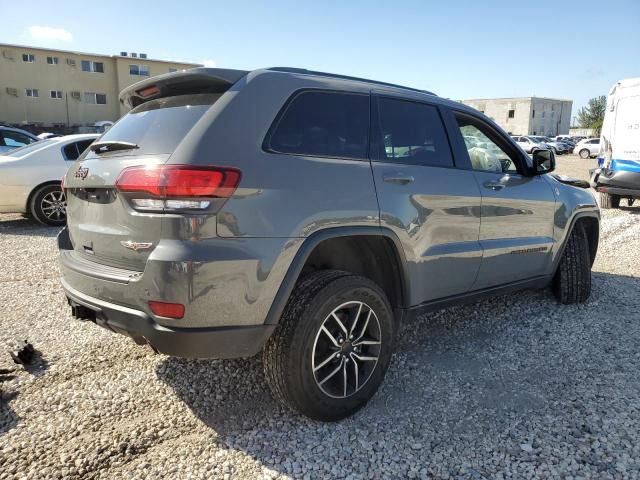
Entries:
{"x":572,"y":281}
{"x":49,"y":205}
{"x":332,"y":347}
{"x":584,"y":153}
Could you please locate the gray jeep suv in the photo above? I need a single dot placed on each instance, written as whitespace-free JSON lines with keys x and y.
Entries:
{"x":306,"y":215}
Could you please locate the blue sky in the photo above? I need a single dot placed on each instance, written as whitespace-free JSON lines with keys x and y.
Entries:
{"x":458,"y":49}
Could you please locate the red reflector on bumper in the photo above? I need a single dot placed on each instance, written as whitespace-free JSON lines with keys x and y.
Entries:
{"x":168,"y":310}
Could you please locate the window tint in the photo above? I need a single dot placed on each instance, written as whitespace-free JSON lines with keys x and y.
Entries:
{"x":158,"y":126}
{"x":325,"y":124}
{"x":74,"y":150}
{"x":15,"y":139}
{"x":413,"y":133}
{"x":485,"y":154}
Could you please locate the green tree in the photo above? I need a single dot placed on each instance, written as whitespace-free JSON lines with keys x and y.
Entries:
{"x":592,"y":115}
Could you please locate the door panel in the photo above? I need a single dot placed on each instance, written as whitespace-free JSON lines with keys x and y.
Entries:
{"x":431,"y":206}
{"x":437,"y":219}
{"x":516,"y":231}
{"x":517,"y":209}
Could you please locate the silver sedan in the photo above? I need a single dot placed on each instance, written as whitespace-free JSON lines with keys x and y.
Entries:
{"x":30,"y":177}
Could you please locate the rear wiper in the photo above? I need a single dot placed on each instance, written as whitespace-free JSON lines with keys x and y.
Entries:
{"x":111,"y":146}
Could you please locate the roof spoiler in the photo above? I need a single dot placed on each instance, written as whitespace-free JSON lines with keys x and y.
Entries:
{"x":184,"y":82}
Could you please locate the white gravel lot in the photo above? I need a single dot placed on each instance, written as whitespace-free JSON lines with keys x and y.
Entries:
{"x":514,"y":387}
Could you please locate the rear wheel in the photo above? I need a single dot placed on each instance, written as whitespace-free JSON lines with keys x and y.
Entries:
{"x":572,"y":281}
{"x":609,"y":201}
{"x":49,"y":206}
{"x":332,"y":347}
{"x":584,"y":153}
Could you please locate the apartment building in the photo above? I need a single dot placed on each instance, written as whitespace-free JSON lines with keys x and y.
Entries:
{"x":527,"y":115}
{"x":43,"y":88}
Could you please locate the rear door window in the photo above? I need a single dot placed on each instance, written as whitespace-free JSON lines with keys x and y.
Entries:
{"x":323,"y":124}
{"x":158,"y":126}
{"x":412,"y":133}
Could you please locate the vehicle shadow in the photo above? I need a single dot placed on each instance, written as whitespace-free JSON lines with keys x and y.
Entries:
{"x":18,"y":225}
{"x":468,"y":375}
{"x":8,"y":418}
{"x":635,"y":209}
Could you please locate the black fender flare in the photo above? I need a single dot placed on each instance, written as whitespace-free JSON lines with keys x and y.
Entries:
{"x":311,"y":242}
{"x":576,"y":216}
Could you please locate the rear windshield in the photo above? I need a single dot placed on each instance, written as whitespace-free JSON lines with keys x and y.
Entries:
{"x":158,"y":126}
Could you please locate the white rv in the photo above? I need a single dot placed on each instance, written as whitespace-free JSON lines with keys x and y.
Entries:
{"x":618,"y":175}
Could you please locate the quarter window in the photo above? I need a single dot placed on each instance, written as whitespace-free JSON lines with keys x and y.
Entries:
{"x":74,"y":150}
{"x":485,"y":154}
{"x":413,"y":133}
{"x":324,"y":124}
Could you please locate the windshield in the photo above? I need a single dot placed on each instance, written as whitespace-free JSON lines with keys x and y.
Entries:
{"x":158,"y":126}
{"x":22,"y":151}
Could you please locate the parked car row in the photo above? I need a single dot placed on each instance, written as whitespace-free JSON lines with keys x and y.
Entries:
{"x":12,"y":137}
{"x":534,"y":143}
{"x":560,"y":145}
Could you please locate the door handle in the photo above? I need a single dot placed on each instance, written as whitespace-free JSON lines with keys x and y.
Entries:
{"x":398,"y":178}
{"x":494,"y":185}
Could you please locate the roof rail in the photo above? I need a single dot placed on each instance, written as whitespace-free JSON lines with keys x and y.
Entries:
{"x":344,"y":77}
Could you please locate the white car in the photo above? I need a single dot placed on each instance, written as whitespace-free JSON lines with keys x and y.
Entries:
{"x":30,"y":177}
{"x":529,"y":144}
{"x":588,"y":147}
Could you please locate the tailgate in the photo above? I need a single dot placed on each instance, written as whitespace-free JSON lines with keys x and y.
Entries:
{"x":102,"y":225}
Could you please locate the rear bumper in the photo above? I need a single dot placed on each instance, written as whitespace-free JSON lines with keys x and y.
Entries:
{"x":216,"y":342}
{"x":616,"y":182}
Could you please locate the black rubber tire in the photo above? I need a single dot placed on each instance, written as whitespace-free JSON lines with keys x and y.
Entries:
{"x":35,"y":206}
{"x":584,"y":153}
{"x":572,"y":281}
{"x":287,"y":354}
{"x":609,"y":201}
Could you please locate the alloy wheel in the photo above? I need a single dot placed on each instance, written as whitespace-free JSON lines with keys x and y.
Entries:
{"x":346,"y":349}
{"x":54,"y":205}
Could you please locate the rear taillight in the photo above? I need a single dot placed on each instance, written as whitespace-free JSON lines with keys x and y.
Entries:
{"x":175,"y":187}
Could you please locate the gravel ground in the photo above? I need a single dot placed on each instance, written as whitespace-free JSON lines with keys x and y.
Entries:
{"x":514,"y":387}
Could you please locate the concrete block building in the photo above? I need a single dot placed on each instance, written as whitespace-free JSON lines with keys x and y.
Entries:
{"x":43,"y":88}
{"x":527,"y":115}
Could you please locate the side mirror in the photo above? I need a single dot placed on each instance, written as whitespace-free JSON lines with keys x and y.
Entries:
{"x":544,"y":161}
